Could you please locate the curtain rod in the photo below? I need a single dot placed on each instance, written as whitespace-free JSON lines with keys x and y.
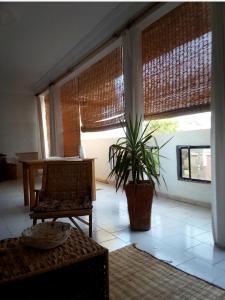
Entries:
{"x":104,"y":44}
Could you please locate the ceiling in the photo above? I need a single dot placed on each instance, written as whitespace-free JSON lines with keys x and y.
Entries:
{"x":40,"y":40}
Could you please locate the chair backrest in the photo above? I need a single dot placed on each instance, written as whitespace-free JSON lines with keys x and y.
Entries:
{"x":68,"y":180}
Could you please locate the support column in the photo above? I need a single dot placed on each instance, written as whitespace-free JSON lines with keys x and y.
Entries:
{"x":132,"y":64}
{"x":218,"y":124}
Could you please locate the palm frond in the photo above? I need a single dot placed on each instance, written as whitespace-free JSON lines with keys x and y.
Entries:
{"x":131,"y":158}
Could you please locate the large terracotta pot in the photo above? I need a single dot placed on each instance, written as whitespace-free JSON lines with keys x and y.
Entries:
{"x":139,"y":198}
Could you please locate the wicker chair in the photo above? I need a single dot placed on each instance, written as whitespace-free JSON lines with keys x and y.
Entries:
{"x":66,"y":192}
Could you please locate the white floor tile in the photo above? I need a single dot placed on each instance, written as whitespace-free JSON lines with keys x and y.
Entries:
{"x":221,"y":265}
{"x":220,"y":281}
{"x":112,"y":228}
{"x":172,"y":255}
{"x":114,"y":244}
{"x":210,"y":254}
{"x":130,"y":236}
{"x":5,"y":233}
{"x":102,"y":236}
{"x":205,"y":238}
{"x":202,"y":269}
{"x":181,"y":241}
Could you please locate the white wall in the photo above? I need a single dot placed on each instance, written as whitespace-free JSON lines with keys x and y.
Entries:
{"x":18,"y":123}
{"x":181,"y":190}
{"x":99,"y":149}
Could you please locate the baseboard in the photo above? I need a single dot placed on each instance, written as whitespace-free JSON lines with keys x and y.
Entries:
{"x":185,"y":200}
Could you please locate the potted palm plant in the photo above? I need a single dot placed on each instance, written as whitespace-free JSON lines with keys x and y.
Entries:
{"x":136,"y":168}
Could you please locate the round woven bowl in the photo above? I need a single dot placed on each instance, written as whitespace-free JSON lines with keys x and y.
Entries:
{"x":46,"y":235}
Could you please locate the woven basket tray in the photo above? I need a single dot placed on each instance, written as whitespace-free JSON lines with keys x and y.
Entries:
{"x":46,"y":235}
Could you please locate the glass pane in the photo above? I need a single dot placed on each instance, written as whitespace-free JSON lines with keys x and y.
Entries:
{"x":201,"y":163}
{"x":185,"y":163}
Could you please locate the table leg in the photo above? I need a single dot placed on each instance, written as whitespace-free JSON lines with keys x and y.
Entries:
{"x":32,"y":186}
{"x":107,"y":274}
{"x":25,"y":185}
{"x":93,"y":181}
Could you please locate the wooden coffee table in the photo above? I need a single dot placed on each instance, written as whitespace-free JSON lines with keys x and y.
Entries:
{"x":76,"y":270}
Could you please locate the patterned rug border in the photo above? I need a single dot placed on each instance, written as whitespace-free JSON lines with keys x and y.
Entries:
{"x":135,"y":246}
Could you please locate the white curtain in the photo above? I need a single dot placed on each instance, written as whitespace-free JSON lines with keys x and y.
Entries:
{"x":218,"y":124}
{"x":132,"y":64}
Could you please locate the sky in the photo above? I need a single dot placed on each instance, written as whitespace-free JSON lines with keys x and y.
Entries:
{"x":194,"y":121}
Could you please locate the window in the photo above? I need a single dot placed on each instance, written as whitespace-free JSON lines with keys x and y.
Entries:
{"x":194,"y":163}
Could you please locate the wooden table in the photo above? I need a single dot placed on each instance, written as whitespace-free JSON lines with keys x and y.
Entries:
{"x":78,"y":269}
{"x":29,"y":170}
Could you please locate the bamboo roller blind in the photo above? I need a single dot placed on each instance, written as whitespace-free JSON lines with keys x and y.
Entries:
{"x":70,"y":117}
{"x":94,"y":99}
{"x":101,"y":93}
{"x":176,"y":52}
{"x":47,"y":120}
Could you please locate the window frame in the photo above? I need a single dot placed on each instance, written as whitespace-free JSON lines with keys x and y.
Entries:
{"x":179,"y":162}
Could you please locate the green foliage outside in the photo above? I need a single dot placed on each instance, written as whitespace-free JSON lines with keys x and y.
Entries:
{"x":163,"y":126}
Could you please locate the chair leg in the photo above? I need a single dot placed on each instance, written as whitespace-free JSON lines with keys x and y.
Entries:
{"x":90,"y":225}
{"x":34,"y":221}
{"x":42,"y":220}
{"x":75,"y":224}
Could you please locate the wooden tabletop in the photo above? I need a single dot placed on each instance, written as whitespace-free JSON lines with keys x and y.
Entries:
{"x":38,"y":161}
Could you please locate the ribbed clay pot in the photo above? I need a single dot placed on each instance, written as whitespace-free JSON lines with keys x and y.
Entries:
{"x":139,"y":199}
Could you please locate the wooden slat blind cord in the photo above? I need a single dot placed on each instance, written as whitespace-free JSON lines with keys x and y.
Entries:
{"x":70,"y":117}
{"x":48,"y":120}
{"x":176,"y":53}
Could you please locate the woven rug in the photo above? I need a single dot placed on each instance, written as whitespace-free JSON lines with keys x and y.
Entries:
{"x":135,"y":274}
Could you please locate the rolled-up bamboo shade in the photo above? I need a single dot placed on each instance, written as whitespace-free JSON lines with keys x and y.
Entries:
{"x":176,"y":53}
{"x":94,"y":99}
{"x":70,"y":117}
{"x":47,"y":120}
{"x":101,"y":93}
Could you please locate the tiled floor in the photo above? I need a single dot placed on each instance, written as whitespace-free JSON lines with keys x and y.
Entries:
{"x":181,"y":233}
